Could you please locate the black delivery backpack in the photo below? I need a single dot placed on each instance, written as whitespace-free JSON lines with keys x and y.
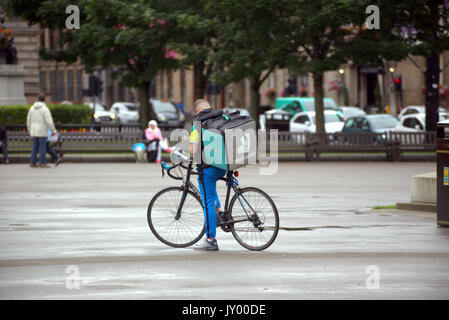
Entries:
{"x":229,"y":140}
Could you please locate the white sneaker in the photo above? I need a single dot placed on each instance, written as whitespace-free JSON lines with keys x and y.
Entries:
{"x":207,"y":245}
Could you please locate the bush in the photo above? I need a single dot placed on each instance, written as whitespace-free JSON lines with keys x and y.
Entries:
{"x":76,"y":113}
{"x":13,"y":114}
{"x":62,"y":114}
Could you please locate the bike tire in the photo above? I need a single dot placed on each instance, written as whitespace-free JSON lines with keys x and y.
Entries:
{"x":163,"y":206}
{"x":238,"y":228}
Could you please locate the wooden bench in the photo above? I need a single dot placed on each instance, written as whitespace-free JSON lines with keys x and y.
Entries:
{"x":295,"y":142}
{"x":77,"y":138}
{"x":413,"y":142}
{"x":79,"y":142}
{"x":392,"y":144}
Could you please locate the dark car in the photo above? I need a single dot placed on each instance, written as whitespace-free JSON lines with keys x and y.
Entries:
{"x":377,"y":123}
{"x":373,"y":123}
{"x":168,"y":113}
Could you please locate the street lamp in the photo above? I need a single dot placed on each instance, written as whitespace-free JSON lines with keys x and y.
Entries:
{"x":341,"y":71}
{"x":391,"y":69}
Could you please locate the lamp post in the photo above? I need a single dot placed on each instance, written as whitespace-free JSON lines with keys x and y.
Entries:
{"x":341,"y":71}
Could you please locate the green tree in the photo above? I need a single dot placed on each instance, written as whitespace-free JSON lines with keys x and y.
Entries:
{"x":250,"y":43}
{"x":423,"y":26}
{"x":320,"y":32}
{"x":196,"y":40}
{"x":128,"y":34}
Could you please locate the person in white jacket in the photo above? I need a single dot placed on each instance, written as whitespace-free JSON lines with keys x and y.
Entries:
{"x":39,"y":120}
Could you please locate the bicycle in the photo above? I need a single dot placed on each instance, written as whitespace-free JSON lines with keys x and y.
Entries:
{"x":175,"y":214}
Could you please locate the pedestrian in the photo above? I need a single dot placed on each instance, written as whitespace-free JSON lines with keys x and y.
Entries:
{"x":39,"y":120}
{"x":155,"y":142}
{"x":207,"y":178}
{"x":54,"y":156}
{"x":4,"y":144}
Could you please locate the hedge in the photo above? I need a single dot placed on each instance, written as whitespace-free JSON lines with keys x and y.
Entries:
{"x":62,"y":114}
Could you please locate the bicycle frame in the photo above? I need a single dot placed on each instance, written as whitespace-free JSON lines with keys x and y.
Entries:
{"x":231,"y":183}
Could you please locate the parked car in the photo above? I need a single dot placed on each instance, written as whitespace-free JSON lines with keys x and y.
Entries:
{"x":421,"y":109}
{"x":306,"y":122}
{"x":418,"y":121}
{"x":349,"y":112}
{"x":295,"y":105}
{"x":275,"y":119}
{"x":377,"y":123}
{"x":101,"y":115}
{"x":168,"y":113}
{"x":127,"y":112}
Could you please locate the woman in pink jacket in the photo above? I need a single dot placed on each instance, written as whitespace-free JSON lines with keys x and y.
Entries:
{"x":155,"y":142}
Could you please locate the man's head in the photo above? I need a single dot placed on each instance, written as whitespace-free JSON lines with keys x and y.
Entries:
{"x":200,"y":105}
{"x":41,"y":97}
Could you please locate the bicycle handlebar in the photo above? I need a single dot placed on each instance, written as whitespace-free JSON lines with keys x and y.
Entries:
{"x":169,"y":168}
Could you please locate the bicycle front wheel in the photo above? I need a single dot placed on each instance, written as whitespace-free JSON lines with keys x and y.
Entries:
{"x":170,"y":228}
{"x":255,"y":219}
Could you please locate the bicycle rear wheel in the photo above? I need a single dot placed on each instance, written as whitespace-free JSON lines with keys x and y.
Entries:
{"x":161,"y":215}
{"x":255,"y":219}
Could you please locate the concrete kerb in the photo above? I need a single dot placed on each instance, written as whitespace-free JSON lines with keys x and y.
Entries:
{"x":130,"y":157}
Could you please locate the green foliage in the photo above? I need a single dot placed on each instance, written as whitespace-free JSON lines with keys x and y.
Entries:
{"x":62,"y":114}
{"x":16,"y":114}
{"x":132,"y":35}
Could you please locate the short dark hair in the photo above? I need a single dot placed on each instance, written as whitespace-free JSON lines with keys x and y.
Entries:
{"x":41,"y":97}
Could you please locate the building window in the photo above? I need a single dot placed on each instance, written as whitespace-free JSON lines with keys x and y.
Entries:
{"x":183,"y":86}
{"x":42,"y":39}
{"x":170,"y":85}
{"x":52,"y":39}
{"x":153,"y":88}
{"x":121,"y":92}
{"x":79,"y":85}
{"x":161,"y":96}
{"x":53,"y":86}
{"x":43,"y":81}
{"x":70,"y":87}
{"x":61,"y":86}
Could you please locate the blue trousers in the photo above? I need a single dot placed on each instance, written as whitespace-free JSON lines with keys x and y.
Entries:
{"x":39,"y":145}
{"x":207,"y":181}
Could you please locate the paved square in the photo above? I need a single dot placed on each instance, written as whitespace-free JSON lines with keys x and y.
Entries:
{"x":90,"y":220}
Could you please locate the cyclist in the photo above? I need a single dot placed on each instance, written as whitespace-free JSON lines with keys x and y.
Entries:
{"x":207,"y":177}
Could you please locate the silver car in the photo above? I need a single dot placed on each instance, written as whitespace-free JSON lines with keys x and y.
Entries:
{"x":126,"y":112}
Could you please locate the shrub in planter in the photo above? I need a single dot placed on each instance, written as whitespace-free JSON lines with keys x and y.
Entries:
{"x":62,"y":114}
{"x":16,"y":114}
{"x":75,"y":113}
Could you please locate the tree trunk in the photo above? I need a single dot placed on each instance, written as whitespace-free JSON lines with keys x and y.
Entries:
{"x":146,"y":112}
{"x":255,"y":100}
{"x":200,"y":80}
{"x":319,"y":104}
{"x":432,"y":92}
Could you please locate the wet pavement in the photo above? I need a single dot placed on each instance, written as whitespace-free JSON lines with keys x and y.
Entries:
{"x":79,"y":231}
